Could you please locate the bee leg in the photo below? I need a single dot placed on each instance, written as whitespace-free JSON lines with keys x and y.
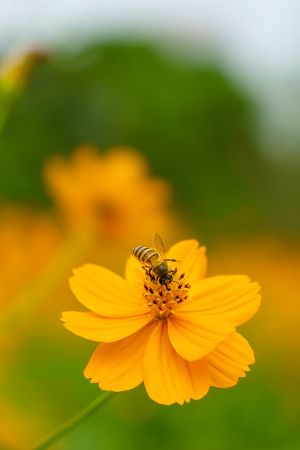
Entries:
{"x":153,"y":278}
{"x":149,"y":273}
{"x":173,"y":272}
{"x":172,"y":260}
{"x":146,"y":269}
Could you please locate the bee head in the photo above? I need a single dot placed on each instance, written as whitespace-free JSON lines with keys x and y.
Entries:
{"x":165,"y":279}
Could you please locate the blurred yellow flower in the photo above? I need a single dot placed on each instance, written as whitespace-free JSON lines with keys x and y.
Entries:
{"x":16,"y":69}
{"x":179,"y":338}
{"x":28,"y":425}
{"x":275,"y":262}
{"x":111,"y":193}
{"x":27,"y":241}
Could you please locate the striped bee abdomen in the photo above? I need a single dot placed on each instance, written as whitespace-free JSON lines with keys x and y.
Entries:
{"x":144,"y":254}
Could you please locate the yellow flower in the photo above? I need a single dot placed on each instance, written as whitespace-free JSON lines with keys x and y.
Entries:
{"x":28,"y":240}
{"x":27,"y":424}
{"x":179,"y":339}
{"x":275,"y":261}
{"x":111,"y":193}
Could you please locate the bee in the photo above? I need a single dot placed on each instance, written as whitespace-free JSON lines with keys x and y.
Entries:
{"x":154,"y":261}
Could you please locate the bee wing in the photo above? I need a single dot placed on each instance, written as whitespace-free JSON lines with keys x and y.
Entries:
{"x":159,"y":245}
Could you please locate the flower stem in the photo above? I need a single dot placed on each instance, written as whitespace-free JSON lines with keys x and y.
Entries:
{"x":74,"y":421}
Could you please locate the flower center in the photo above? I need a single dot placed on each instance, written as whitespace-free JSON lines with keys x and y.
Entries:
{"x":164,"y":299}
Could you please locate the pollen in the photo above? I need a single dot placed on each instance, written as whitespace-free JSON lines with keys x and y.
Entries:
{"x":163,"y":300}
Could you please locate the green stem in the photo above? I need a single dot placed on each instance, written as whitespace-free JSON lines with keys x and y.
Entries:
{"x":76,"y":420}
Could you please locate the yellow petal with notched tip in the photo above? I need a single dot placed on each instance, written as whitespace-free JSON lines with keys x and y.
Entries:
{"x":229,"y":298}
{"x":229,"y":361}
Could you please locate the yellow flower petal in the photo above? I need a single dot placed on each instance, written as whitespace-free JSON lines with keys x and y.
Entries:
{"x":168,"y":378}
{"x":230,"y":298}
{"x":194,"y":335}
{"x":135,"y":275}
{"x":117,"y":366}
{"x":103,"y":329}
{"x":229,"y":361}
{"x":105,"y":293}
{"x":192,"y":259}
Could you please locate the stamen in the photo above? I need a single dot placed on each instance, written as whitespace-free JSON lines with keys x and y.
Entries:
{"x":164,"y":299}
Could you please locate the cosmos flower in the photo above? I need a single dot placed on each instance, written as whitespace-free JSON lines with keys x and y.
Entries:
{"x":111,"y":193}
{"x":179,"y":338}
{"x":28,"y":241}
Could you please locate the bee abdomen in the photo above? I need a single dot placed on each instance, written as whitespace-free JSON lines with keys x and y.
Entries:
{"x":143,"y":254}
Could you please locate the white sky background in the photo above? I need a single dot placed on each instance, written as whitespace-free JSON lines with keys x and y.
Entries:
{"x":258,"y":40}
